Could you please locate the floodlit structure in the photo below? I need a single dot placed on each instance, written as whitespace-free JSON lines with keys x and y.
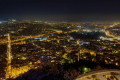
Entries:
{"x":101,"y":75}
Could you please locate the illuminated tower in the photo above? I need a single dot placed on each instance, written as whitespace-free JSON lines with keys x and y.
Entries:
{"x":9,"y":58}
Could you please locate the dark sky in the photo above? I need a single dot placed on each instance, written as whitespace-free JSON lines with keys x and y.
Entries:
{"x":61,"y":10}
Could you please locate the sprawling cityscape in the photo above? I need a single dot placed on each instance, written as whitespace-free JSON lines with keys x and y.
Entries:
{"x":36,"y":50}
{"x":59,"y":39}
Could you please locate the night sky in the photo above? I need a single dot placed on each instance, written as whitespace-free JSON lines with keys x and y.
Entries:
{"x":61,"y":10}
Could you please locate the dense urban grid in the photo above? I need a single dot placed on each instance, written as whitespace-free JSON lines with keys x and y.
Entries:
{"x":36,"y":50}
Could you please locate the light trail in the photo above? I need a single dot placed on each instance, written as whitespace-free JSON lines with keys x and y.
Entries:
{"x":21,"y":39}
{"x":110,"y":35}
{"x":9,"y":58}
{"x":15,"y":72}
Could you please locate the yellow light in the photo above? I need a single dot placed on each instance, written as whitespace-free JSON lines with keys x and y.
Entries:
{"x":116,"y":64}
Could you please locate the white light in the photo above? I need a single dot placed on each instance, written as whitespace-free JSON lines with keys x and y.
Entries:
{"x":0,"y":22}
